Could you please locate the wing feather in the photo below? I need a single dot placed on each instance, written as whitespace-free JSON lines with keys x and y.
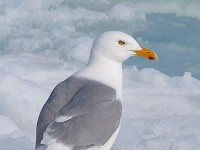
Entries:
{"x":88,"y":119}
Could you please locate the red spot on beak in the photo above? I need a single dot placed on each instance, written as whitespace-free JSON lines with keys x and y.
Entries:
{"x":151,"y":58}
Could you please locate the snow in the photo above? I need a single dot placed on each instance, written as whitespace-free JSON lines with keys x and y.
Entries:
{"x":11,"y":137}
{"x":159,"y":112}
{"x":7,"y":125}
{"x":43,"y":42}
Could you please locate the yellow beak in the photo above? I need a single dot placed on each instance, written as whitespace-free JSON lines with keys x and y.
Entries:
{"x":146,"y":53}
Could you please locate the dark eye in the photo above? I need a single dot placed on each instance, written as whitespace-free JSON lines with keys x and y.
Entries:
{"x":121,"y":42}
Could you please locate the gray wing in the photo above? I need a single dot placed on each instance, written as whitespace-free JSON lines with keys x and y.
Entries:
{"x":88,"y":119}
{"x":59,"y":97}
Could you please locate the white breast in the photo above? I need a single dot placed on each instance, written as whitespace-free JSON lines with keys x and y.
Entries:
{"x":104,"y":71}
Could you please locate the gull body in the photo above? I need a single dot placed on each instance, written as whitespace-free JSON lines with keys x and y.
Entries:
{"x":84,"y":111}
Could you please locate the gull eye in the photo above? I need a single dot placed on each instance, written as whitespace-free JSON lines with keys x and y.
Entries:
{"x":120,"y":42}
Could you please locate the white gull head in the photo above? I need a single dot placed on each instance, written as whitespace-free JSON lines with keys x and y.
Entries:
{"x":114,"y":45}
{"x":108,"y":52}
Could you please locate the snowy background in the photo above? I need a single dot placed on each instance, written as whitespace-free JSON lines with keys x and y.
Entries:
{"x":42,"y":42}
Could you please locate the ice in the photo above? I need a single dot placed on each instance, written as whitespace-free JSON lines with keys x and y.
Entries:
{"x":166,"y":117}
{"x":7,"y":126}
{"x":11,"y":137}
{"x":43,"y":42}
{"x":159,"y":112}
